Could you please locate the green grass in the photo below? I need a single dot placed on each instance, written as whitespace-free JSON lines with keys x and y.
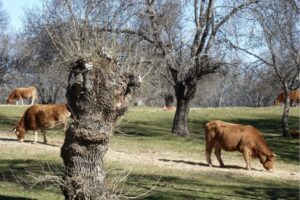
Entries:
{"x":146,"y":131}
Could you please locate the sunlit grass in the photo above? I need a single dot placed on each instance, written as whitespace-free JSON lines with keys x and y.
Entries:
{"x":146,"y":131}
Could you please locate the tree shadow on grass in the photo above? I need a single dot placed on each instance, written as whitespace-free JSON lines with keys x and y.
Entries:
{"x":2,"y":197}
{"x":211,"y":186}
{"x":8,"y":121}
{"x":17,"y":171}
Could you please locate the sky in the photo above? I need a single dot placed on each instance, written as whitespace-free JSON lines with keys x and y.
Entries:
{"x":15,"y":11}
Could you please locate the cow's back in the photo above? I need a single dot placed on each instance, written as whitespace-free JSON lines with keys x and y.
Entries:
{"x":28,"y":92}
{"x":234,"y":137}
{"x":45,"y":116}
{"x":30,"y":118}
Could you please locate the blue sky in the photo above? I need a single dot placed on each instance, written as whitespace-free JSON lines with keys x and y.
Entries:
{"x":15,"y":11}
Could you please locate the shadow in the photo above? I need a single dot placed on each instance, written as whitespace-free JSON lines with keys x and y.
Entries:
{"x":27,"y":141}
{"x":17,"y":171}
{"x":2,"y":197}
{"x":184,"y":161}
{"x":205,"y":164}
{"x":51,"y":145}
{"x":10,"y":122}
{"x":209,"y":186}
{"x":8,"y":139}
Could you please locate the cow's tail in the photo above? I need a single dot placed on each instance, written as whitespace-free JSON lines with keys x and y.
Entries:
{"x":206,"y":126}
{"x":36,"y":99}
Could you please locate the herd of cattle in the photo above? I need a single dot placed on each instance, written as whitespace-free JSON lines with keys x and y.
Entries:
{"x":218,"y":134}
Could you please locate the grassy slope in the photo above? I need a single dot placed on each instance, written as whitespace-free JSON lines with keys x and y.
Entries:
{"x":148,"y":130}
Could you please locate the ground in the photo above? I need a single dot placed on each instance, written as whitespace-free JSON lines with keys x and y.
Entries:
{"x":167,"y":160}
{"x":158,"y":165}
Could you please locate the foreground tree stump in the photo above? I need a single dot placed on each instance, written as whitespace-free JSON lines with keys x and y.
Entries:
{"x":97,"y":94}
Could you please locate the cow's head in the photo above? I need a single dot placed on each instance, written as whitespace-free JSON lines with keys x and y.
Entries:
{"x":9,"y":101}
{"x":268,"y":161}
{"x":20,"y":133}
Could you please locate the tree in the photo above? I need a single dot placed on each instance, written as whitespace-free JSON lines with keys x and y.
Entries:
{"x":101,"y":83}
{"x":4,"y":42}
{"x":279,"y":31}
{"x":188,"y":62}
{"x":97,"y":96}
{"x":4,"y":19}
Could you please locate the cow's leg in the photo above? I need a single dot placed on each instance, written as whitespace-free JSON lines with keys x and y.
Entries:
{"x":35,"y":137}
{"x":22,"y":101}
{"x":218,"y":154}
{"x":247,"y":157}
{"x":209,"y":146}
{"x":44,"y":135}
{"x":32,"y":101}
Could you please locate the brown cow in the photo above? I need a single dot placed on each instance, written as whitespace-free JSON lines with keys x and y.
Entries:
{"x":294,"y":98}
{"x":22,"y":93}
{"x":236,"y":137}
{"x":42,"y":117}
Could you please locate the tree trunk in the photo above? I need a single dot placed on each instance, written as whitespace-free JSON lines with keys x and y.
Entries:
{"x":96,"y":97}
{"x":184,"y":92}
{"x":285,"y":117}
{"x":180,"y":125}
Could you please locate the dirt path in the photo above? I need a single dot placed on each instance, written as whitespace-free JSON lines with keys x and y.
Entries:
{"x":167,"y":160}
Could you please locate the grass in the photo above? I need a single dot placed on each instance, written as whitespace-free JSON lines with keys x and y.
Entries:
{"x":146,"y":132}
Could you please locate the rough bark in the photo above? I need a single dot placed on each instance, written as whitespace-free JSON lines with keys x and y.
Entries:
{"x":184,"y":92}
{"x":285,"y":116}
{"x":180,"y":125}
{"x":96,"y":97}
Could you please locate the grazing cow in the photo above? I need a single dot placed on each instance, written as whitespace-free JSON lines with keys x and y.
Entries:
{"x":42,"y":117}
{"x":294,"y":98}
{"x":236,"y":137}
{"x":167,"y":108}
{"x":22,"y":93}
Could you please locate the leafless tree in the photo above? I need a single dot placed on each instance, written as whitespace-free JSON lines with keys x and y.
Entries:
{"x":187,"y":56}
{"x":279,"y":31}
{"x":4,"y":19}
{"x":4,"y":42}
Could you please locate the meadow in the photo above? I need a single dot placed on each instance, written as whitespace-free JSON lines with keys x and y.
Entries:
{"x":145,"y":161}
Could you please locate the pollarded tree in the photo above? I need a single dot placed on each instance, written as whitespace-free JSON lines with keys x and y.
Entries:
{"x":99,"y":89}
{"x":97,"y":95}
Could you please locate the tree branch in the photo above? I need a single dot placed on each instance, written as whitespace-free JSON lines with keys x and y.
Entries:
{"x":126,"y":31}
{"x":232,"y":13}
